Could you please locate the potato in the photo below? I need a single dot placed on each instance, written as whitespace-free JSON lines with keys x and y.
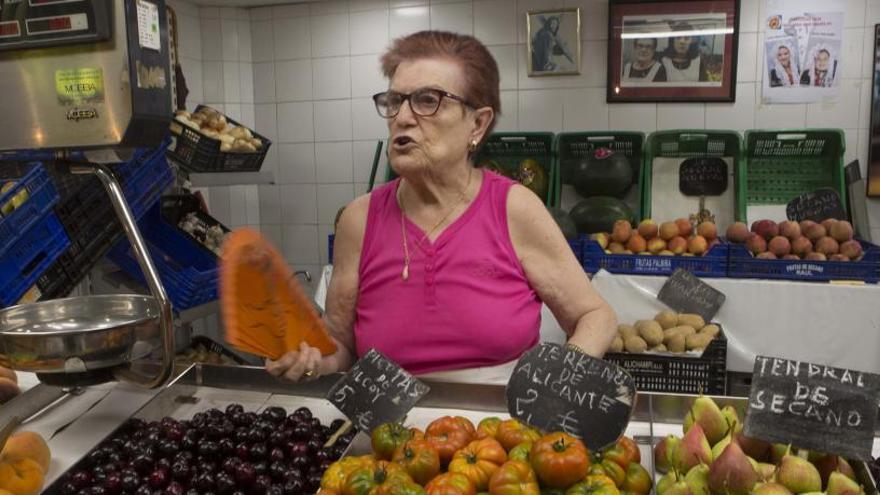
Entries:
{"x":691,"y":320}
{"x":698,"y":342}
{"x":225,"y":147}
{"x":182,"y":113}
{"x":616,"y":344}
{"x":211,"y":133}
{"x":669,"y":333}
{"x":686,"y":330}
{"x":228,"y":129}
{"x":676,"y":343}
{"x":666,"y":319}
{"x":241,"y":132}
{"x":257,"y":142}
{"x":627,"y":331}
{"x":710,"y":329}
{"x":659,"y":348}
{"x":248,"y":147}
{"x":635,"y":344}
{"x":651,"y":331}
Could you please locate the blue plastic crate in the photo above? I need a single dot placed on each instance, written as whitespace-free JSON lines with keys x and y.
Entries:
{"x":29,"y":256}
{"x":41,"y":197}
{"x":743,"y":265}
{"x":144,"y":177}
{"x":188,"y":271}
{"x":711,"y":264}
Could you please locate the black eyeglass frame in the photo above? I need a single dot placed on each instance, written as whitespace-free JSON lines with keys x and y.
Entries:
{"x":406,"y":97}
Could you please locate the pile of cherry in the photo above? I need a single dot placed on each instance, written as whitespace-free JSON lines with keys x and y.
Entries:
{"x":231,"y":452}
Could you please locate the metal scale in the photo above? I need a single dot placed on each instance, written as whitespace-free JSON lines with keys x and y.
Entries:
{"x":92,"y":76}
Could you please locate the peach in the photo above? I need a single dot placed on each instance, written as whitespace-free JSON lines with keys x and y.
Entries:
{"x":707,"y":230}
{"x":805,"y":224}
{"x":737,"y":232}
{"x":21,"y":477}
{"x":616,"y":248}
{"x":814,"y":256}
{"x":678,"y":245}
{"x":791,"y":257}
{"x":656,"y":245}
{"x":766,"y":255}
{"x":851,"y":249}
{"x":648,"y":229}
{"x":27,"y":445}
{"x":666,"y":252}
{"x":756,"y":244}
{"x":698,"y":245}
{"x":636,"y":243}
{"x":827,"y":246}
{"x":621,"y":231}
{"x":841,"y":231}
{"x":601,"y":238}
{"x":838,"y":257}
{"x":801,"y":246}
{"x":780,"y":246}
{"x":827,"y":223}
{"x":765,"y":228}
{"x":668,"y":230}
{"x":685,"y":227}
{"x":815,"y":232}
{"x":790,"y":230}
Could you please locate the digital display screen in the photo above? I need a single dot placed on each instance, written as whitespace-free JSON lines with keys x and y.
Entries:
{"x":37,"y":3}
{"x":57,"y":24}
{"x":9,"y":29}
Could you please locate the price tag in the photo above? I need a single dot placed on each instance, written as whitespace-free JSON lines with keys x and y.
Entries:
{"x":702,"y":177}
{"x":819,"y":205}
{"x":376,"y":390}
{"x":686,"y":293}
{"x":813,"y":406}
{"x":557,"y":388}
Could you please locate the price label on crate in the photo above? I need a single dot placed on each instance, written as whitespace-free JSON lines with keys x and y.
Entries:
{"x":702,"y":177}
{"x":376,"y":390}
{"x":813,"y":406}
{"x":686,"y":293}
{"x":557,"y":388}
{"x":818,"y":205}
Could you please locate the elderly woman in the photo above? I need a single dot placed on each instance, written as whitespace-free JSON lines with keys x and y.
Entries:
{"x":682,"y":59}
{"x":446,"y":267}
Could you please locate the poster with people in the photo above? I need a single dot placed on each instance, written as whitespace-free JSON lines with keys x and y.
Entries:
{"x":682,"y":50}
{"x":802,"y":51}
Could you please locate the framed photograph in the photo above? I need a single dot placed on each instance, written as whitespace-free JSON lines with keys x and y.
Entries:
{"x":554,"y":42}
{"x":672,"y":51}
{"x":873,"y":182}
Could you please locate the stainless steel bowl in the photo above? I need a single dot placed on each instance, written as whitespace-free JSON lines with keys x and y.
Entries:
{"x":79,"y":334}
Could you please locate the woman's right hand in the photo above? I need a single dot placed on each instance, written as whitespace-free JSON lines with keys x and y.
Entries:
{"x":305,"y":364}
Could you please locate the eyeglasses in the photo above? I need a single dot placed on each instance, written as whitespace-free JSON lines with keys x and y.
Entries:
{"x":424,"y":102}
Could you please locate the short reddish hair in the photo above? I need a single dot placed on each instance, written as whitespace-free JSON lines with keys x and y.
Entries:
{"x":480,"y":69}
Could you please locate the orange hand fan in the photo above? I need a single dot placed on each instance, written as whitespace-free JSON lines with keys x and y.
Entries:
{"x":265,"y":310}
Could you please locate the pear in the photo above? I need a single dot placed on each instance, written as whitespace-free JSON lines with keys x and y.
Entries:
{"x":704,"y":412}
{"x":663,"y":452}
{"x":722,"y":444}
{"x":731,"y":417}
{"x":697,"y":479}
{"x":732,"y":473}
{"x":666,"y":481}
{"x":766,"y":471}
{"x":777,"y":452}
{"x":830,"y":463}
{"x":757,"y":449}
{"x":770,"y":489}
{"x":679,"y":488}
{"x":798,"y":475}
{"x":840,"y":484}
{"x":694,"y":449}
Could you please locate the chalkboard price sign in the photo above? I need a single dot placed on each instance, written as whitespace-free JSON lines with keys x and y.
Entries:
{"x":376,"y":390}
{"x":813,"y":406}
{"x":557,"y":388}
{"x":702,"y":177}
{"x":686,"y":293}
{"x":817,"y":206}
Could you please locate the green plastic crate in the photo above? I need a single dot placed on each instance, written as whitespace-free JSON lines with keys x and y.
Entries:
{"x":570,"y":145}
{"x":781,"y":164}
{"x":690,"y":143}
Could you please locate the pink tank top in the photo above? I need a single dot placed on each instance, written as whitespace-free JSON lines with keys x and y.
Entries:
{"x":466,"y":303}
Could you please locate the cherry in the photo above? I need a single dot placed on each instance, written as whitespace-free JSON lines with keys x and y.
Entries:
{"x":293,"y":486}
{"x":277,"y":438}
{"x":229,"y":464}
{"x":159,"y":478}
{"x":242,"y":451}
{"x":209,"y":449}
{"x":274,"y":414}
{"x":259,"y":451}
{"x":244,"y":474}
{"x":262,"y":483}
{"x":113,"y":483}
{"x":227,"y":447}
{"x":302,"y":431}
{"x":174,"y":488}
{"x":224,"y":483}
{"x":276,"y":454}
{"x":232,"y":409}
{"x":277,"y":470}
{"x":305,"y":412}
{"x":204,"y":482}
{"x":181,"y":471}
{"x":261,"y":467}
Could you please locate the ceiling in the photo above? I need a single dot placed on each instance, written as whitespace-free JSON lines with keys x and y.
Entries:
{"x":249,"y":3}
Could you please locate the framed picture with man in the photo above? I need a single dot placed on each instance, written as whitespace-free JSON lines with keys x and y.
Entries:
{"x":554,"y":42}
{"x":672,"y":51}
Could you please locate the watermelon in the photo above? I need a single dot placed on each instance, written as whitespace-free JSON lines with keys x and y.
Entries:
{"x":566,"y":224}
{"x":598,"y":214}
{"x":602,"y":173}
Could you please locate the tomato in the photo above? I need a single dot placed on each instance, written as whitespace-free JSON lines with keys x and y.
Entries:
{"x":420,"y":460}
{"x":478,"y":461}
{"x":594,"y":484}
{"x":552,"y":491}
{"x":372,"y":480}
{"x":618,"y":454}
{"x":335,"y":475}
{"x":512,"y":433}
{"x":397,"y":487}
{"x":520,"y":452}
{"x":637,"y":480}
{"x":450,"y":484}
{"x":417,"y":434}
{"x":632,"y":447}
{"x":387,"y":438}
{"x":448,"y":434}
{"x":559,"y":459}
{"x":488,"y":427}
{"x":608,"y":468}
{"x":514,"y":478}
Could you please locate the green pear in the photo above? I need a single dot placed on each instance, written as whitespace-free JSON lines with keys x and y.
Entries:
{"x":840,"y":484}
{"x":831,"y":463}
{"x":732,"y":473}
{"x":697,"y":479}
{"x":666,"y":481}
{"x":798,"y":475}
{"x":770,"y":489}
{"x":731,"y":417}
{"x":704,"y":412}
{"x":766,"y":471}
{"x":757,"y":449}
{"x":679,"y":488}
{"x":663,"y":452}
{"x":693,"y":449}
{"x":722,"y":444}
{"x":777,"y":452}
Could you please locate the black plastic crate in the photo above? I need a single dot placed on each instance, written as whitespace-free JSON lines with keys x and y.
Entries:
{"x":176,"y":207}
{"x":196,"y":152}
{"x":678,"y":374}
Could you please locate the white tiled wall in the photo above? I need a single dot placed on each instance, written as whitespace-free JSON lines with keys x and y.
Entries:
{"x":307,"y":80}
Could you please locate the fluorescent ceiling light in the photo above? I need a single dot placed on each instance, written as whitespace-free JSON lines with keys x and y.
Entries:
{"x":675,"y":34}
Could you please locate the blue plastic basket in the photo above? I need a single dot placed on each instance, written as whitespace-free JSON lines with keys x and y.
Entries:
{"x":41,"y":197}
{"x":711,"y":264}
{"x":144,"y":177}
{"x":743,"y":265}
{"x":29,"y":256}
{"x":188,"y":271}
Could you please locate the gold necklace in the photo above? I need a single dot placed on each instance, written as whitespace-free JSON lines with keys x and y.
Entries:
{"x":405,"y":273}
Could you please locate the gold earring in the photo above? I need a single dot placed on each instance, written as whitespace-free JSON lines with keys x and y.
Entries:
{"x":473,"y":145}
